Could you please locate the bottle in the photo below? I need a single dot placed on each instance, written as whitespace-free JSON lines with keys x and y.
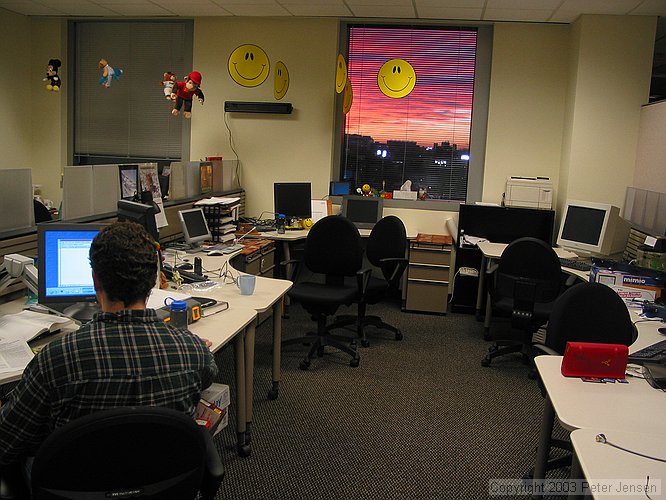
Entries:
{"x":178,"y":313}
{"x":281,"y":223}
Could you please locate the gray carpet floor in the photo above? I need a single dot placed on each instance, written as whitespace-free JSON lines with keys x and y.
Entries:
{"x":419,"y":418}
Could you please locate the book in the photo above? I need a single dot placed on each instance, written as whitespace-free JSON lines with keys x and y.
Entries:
{"x":28,"y":325}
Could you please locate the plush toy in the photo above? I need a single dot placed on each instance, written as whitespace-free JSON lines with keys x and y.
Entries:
{"x":108,"y":73}
{"x":184,"y":92}
{"x":168,"y":82}
{"x":52,"y":75}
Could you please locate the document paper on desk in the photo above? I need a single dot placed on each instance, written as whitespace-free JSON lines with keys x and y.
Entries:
{"x":14,"y":355}
{"x":158,"y":296}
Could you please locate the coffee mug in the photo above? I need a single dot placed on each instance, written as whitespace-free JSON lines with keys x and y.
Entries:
{"x":246,"y":283}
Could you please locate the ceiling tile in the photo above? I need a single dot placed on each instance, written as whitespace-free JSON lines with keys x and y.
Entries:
{"x":523,"y":4}
{"x":193,"y":9}
{"x":313,"y":10}
{"x":651,"y":8}
{"x":516,"y":15}
{"x":381,"y":3}
{"x":392,"y":11}
{"x":28,"y":8}
{"x":224,"y":3}
{"x":459,"y":4}
{"x":74,"y":8}
{"x":448,"y":13}
{"x":138,"y":9}
{"x":613,"y":7}
{"x":266,"y":9}
{"x":564,"y":16}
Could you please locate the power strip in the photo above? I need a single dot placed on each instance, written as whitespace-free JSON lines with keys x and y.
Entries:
{"x":468,"y":271}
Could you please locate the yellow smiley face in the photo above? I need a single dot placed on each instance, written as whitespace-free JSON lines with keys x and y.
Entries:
{"x":249,"y":65}
{"x":280,"y":80}
{"x":348,"y":97}
{"x":396,"y":78}
{"x":340,"y":74}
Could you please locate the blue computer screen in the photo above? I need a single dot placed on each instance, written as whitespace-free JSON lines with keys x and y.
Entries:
{"x":65,"y":265}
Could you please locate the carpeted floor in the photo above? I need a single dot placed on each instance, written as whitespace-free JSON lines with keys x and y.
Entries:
{"x":419,"y":418}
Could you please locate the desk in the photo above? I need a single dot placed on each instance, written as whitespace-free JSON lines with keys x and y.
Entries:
{"x":493,"y":251}
{"x":237,"y":323}
{"x":599,"y":462}
{"x":632,"y":406}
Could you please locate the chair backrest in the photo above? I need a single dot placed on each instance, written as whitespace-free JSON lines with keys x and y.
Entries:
{"x":333,"y":247}
{"x":388,"y":239}
{"x":589,"y":312}
{"x":529,"y":270}
{"x":157,"y":452}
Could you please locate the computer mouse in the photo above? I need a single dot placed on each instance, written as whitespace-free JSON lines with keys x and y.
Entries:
{"x":185,"y":266}
{"x":215,"y":252}
{"x":662,"y":330}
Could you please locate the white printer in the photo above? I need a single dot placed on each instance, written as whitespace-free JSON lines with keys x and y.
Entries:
{"x":532,"y":192}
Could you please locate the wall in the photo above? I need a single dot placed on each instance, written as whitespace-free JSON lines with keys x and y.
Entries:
{"x":19,"y":86}
{"x":609,"y":81}
{"x":527,"y":101}
{"x":296,"y":147}
{"x":650,"y":170}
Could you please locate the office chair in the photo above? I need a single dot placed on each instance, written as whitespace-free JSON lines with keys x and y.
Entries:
{"x":526,"y":283}
{"x":386,"y":249}
{"x":126,"y":452}
{"x":42,"y":213}
{"x":332,"y":249}
{"x":586,"y":312}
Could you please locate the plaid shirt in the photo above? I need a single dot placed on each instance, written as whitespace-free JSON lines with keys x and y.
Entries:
{"x":129,"y":358}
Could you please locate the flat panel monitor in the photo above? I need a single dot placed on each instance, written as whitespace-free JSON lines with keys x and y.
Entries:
{"x":340,"y":188}
{"x":140,"y":213}
{"x":505,"y":224}
{"x":363,"y":211}
{"x":194,"y":225}
{"x":590,"y":228}
{"x":293,"y":199}
{"x":65,"y":282}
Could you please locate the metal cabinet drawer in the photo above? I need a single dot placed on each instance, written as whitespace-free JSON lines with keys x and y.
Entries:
{"x":428,"y":272}
{"x":427,"y":296}
{"x":435,"y":256}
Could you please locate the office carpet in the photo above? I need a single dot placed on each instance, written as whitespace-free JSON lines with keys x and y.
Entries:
{"x":419,"y":418}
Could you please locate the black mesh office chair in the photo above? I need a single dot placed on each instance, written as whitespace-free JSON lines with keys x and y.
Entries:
{"x":526,"y":283}
{"x":586,"y":312}
{"x":332,"y":250}
{"x":385,"y":249}
{"x":139,"y":452}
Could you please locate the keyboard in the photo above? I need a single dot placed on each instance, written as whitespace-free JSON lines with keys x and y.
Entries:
{"x":578,"y":265}
{"x":265,"y":229}
{"x":188,"y":276}
{"x":652,"y":352}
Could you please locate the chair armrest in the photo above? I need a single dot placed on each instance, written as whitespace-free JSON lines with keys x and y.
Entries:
{"x":292,"y":264}
{"x":11,"y":482}
{"x":362,"y":280}
{"x":396,"y":266}
{"x":214,"y":472}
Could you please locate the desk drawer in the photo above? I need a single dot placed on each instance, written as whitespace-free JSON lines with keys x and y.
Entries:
{"x":435,"y":256}
{"x":430,"y":272}
{"x":427,"y":296}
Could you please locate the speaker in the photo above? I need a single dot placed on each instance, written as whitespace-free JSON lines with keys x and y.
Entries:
{"x":280,"y":108}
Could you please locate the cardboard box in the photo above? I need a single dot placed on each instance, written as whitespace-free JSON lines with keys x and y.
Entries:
{"x":404,"y":195}
{"x":211,"y":416}
{"x":628,"y":286}
{"x":218,"y":394}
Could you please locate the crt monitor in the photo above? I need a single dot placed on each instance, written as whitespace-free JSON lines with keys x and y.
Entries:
{"x":293,"y":199}
{"x":363,"y":211}
{"x":65,"y":282}
{"x":141,"y":214}
{"x":594,"y":229}
{"x":194,"y":226}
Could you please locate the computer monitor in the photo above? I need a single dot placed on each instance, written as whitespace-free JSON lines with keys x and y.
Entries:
{"x":592,"y":229}
{"x":195,"y":227}
{"x":141,"y":214}
{"x":65,"y":282}
{"x":292,"y":199}
{"x":363,"y":211}
{"x":340,"y":188}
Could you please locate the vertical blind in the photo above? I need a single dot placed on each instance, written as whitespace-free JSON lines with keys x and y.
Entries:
{"x":132,"y":118}
{"x":425,"y":136}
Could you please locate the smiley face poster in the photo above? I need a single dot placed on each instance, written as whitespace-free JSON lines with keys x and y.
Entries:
{"x":249,"y":65}
{"x":396,"y":78}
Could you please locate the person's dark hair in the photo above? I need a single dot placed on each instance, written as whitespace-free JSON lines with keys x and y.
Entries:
{"x":124,"y":258}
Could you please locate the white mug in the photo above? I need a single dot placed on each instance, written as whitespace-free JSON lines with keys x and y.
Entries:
{"x":246,"y":283}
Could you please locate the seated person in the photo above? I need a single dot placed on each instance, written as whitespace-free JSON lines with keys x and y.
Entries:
{"x":125,"y":356}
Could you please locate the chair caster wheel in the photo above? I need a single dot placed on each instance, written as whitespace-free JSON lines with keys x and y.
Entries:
{"x":305,"y":364}
{"x":354,"y":362}
{"x":532,"y":375}
{"x":320,"y":351}
{"x":273,"y":393}
{"x":485,"y":361}
{"x":398,"y":335}
{"x":244,"y":450}
{"x":365,"y":343}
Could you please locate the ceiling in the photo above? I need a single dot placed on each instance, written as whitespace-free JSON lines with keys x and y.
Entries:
{"x":549,"y":11}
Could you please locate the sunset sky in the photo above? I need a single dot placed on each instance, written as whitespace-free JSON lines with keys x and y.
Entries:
{"x":440,"y":106}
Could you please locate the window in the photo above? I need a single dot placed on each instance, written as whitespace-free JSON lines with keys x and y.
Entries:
{"x":130,"y":121}
{"x":424,"y":136}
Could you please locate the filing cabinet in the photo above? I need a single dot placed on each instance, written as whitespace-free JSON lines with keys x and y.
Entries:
{"x":428,"y":274}
{"x":258,"y":258}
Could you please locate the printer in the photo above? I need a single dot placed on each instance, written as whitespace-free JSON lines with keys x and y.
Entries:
{"x":531,"y":192}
